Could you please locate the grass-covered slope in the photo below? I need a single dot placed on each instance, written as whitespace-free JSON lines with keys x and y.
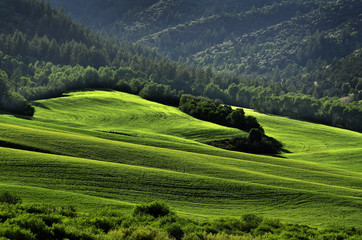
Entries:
{"x":317,"y":143}
{"x":98,"y":148}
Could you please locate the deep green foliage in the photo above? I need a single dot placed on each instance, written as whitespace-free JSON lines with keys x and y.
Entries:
{"x":120,"y":18}
{"x":256,"y":142}
{"x":208,"y":110}
{"x":7,"y":197}
{"x":248,"y":37}
{"x":213,"y":111}
{"x":48,"y":222}
{"x":155,"y":209}
{"x":340,"y":78}
{"x":13,"y":101}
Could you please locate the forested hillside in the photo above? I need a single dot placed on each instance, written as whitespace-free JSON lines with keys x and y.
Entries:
{"x":44,"y":53}
{"x":132,"y":20}
{"x":279,"y":40}
{"x":285,"y":51}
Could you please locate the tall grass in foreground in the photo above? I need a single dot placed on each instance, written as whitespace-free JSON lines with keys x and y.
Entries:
{"x":150,"y":221}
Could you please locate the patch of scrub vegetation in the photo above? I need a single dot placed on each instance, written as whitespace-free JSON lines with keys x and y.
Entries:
{"x":148,"y":221}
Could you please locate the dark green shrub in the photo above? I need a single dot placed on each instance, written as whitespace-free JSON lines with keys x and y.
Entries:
{"x":155,"y":209}
{"x":103,"y":223}
{"x":123,"y":86}
{"x":274,"y":223}
{"x":68,"y":211}
{"x":37,"y":208}
{"x":192,"y":236}
{"x":16,"y":103}
{"x":262,"y":229}
{"x":255,"y":135}
{"x":10,"y":198}
{"x":335,"y":236}
{"x":148,"y":234}
{"x":15,"y":232}
{"x":59,"y":231}
{"x":33,"y":223}
{"x":51,"y":219}
{"x":250,"y":221}
{"x":175,"y":230}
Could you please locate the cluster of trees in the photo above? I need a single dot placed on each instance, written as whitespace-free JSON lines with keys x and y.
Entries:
{"x":12,"y":101}
{"x":256,"y":142}
{"x":216,"y":112}
{"x":327,"y":110}
{"x":148,"y":221}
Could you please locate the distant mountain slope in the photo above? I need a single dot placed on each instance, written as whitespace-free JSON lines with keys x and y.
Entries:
{"x":132,"y":20}
{"x":199,"y":34}
{"x":279,"y":41}
{"x":342,"y":77}
{"x":333,"y":30}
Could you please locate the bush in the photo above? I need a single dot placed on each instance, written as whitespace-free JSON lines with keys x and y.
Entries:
{"x":155,"y":209}
{"x":138,"y":234}
{"x":148,"y":234}
{"x":10,"y":198}
{"x":33,"y":223}
{"x":250,"y":221}
{"x":14,"y":232}
{"x":174,"y":230}
{"x":255,"y":135}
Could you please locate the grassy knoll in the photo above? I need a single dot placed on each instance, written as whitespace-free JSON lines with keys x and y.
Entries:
{"x":100,"y":148}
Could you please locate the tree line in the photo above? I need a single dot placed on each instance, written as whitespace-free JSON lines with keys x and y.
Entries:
{"x":44,"y":80}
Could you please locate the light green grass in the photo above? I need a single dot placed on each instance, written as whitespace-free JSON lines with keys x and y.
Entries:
{"x":114,"y":111}
{"x":158,"y":155}
{"x":317,"y":143}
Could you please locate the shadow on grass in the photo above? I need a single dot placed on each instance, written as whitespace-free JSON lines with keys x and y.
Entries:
{"x":7,"y":144}
{"x":41,"y":105}
{"x":119,"y":133}
{"x":16,"y":115}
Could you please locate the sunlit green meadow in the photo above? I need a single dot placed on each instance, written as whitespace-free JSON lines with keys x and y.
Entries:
{"x":106,"y":148}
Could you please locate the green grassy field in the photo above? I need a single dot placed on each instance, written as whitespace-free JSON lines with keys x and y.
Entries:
{"x":106,"y":148}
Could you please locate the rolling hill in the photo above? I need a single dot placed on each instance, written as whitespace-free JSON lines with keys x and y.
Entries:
{"x":106,"y":148}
